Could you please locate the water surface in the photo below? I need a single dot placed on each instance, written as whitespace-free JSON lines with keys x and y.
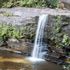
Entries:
{"x":12,"y":61}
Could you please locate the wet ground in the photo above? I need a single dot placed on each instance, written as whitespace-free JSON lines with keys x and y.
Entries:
{"x":11,"y":61}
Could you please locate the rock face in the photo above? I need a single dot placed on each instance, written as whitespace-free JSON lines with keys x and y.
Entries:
{"x":65,"y":28}
{"x":23,"y":16}
{"x":24,"y":46}
{"x":65,"y":23}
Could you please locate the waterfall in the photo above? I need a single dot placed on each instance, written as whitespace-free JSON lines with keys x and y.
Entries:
{"x":38,"y":45}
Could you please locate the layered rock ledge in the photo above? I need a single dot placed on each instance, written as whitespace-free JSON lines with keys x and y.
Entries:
{"x":21,"y":15}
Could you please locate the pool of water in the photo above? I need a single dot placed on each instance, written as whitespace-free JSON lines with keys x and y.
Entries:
{"x":11,"y":61}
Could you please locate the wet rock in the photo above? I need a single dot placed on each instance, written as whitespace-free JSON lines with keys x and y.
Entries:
{"x":23,"y":46}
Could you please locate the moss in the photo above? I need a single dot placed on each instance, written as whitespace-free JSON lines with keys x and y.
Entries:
{"x":7,"y":14}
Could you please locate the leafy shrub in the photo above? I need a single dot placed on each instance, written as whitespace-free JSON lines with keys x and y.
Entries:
{"x":11,"y":31}
{"x":34,"y":3}
{"x":29,"y":3}
{"x":25,"y":3}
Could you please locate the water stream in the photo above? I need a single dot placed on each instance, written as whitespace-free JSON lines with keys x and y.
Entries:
{"x":13,"y":61}
{"x":37,"y":54}
{"x":38,"y":45}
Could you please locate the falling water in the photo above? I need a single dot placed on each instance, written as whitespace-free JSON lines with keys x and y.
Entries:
{"x":37,"y":54}
{"x":38,"y":45}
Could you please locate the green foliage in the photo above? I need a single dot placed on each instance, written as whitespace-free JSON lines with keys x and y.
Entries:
{"x":6,"y":3}
{"x":29,"y":3}
{"x":60,"y":38}
{"x":66,"y":40}
{"x":9,"y":31}
{"x":25,"y":3}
